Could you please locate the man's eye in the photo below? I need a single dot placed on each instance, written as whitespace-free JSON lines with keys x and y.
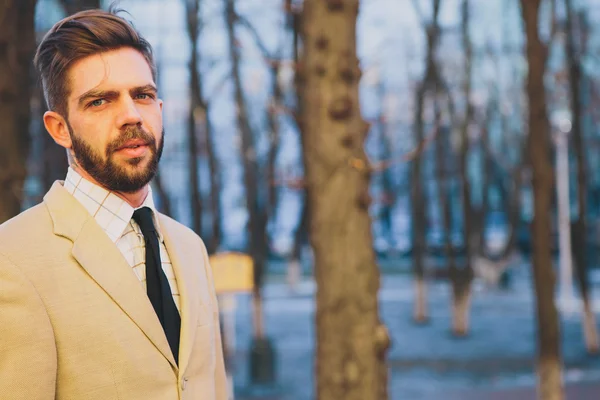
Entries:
{"x":97,"y":102}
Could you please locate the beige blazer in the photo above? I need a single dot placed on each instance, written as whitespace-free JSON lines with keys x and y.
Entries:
{"x":76,"y":324}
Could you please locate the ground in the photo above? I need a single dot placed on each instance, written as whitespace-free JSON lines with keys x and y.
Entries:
{"x":426,"y":362}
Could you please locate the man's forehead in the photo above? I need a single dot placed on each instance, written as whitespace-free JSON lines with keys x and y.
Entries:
{"x":115,"y":70}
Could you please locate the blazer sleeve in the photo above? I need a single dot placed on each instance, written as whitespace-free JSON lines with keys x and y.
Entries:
{"x":221,"y":386}
{"x":28,"y":362}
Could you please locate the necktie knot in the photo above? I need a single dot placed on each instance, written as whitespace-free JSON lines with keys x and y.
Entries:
{"x":143,"y":217}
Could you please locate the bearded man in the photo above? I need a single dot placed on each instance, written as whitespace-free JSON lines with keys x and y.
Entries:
{"x":101,"y":296}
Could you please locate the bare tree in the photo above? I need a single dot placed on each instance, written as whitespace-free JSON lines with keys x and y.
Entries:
{"x":417,"y":196}
{"x":196,"y":115}
{"x":461,"y":278}
{"x":17,"y":42}
{"x":352,"y":342}
{"x":255,"y":203}
{"x":276,"y":103}
{"x":215,"y":183}
{"x":444,"y":158}
{"x":200,"y":134}
{"x":549,"y":359}
{"x":164,"y":200}
{"x":486,"y":172}
{"x":293,"y":23}
{"x":579,"y":228}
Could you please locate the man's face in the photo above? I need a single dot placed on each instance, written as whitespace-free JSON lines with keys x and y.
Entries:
{"x":115,"y":119}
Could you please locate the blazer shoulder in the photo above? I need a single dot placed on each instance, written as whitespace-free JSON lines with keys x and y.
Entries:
{"x":23,"y":225}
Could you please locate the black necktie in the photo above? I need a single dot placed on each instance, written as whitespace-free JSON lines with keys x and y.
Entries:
{"x":157,"y":284}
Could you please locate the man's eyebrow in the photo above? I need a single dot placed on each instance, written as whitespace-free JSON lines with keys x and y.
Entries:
{"x":95,"y":93}
{"x":145,"y":88}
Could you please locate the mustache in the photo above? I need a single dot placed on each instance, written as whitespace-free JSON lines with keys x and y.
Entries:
{"x":131,"y":133}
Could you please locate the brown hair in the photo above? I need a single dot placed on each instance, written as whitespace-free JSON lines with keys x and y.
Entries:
{"x":78,"y":36}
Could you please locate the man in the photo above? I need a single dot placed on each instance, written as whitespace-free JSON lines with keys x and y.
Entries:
{"x":101,"y":296}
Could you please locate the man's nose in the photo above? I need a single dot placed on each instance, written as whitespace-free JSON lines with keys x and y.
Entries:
{"x":129,"y":113}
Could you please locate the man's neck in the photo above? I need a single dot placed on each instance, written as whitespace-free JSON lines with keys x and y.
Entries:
{"x":135,"y":199}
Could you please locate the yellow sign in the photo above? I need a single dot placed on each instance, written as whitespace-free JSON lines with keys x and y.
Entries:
{"x":232,"y":272}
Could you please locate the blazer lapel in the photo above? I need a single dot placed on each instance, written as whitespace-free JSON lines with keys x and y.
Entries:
{"x":99,"y":256}
{"x":188,"y":271}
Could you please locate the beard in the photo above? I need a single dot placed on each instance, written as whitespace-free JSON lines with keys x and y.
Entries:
{"x":108,"y":172}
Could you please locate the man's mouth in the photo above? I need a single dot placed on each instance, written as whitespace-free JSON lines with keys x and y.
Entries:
{"x":133,"y":144}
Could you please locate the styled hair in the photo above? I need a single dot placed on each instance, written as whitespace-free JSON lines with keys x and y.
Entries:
{"x":78,"y":36}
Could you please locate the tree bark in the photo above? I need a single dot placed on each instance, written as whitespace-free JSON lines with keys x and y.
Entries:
{"x":257,"y":215}
{"x":294,"y":272}
{"x":196,"y":115}
{"x":200,"y":133}
{"x":417,"y":195}
{"x":215,"y":185}
{"x":579,"y":228}
{"x":462,"y":277}
{"x":487,"y":172}
{"x":460,"y":309}
{"x":274,"y":140}
{"x":17,"y":42}
{"x":549,"y":359}
{"x":351,"y":340}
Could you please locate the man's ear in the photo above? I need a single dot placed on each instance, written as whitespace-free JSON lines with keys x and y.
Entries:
{"x":57,"y":127}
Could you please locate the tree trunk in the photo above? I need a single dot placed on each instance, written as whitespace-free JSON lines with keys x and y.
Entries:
{"x":300,"y":238}
{"x":17,"y":42}
{"x":352,"y":341}
{"x":579,"y":229}
{"x":461,"y":277}
{"x":196,"y":116}
{"x":549,"y":359}
{"x":199,"y":121}
{"x":417,"y":196}
{"x":417,"y":202}
{"x":294,"y":272}
{"x":460,"y":309}
{"x":215,"y":185}
{"x":257,"y":216}
{"x":272,"y":118}
{"x":486,"y":178}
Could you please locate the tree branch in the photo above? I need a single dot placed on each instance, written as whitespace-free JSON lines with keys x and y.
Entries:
{"x":269,"y":58}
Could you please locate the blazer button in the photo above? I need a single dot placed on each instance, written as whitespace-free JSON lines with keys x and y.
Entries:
{"x":184,"y":383}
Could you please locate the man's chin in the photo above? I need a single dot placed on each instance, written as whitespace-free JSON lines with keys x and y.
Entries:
{"x":135,"y":162}
{"x":131,"y":175}
{"x":131,"y":183}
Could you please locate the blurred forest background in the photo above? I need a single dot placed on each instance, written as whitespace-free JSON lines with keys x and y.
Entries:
{"x":463,"y":119}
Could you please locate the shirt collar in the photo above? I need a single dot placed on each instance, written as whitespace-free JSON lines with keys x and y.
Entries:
{"x":111,"y":212}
